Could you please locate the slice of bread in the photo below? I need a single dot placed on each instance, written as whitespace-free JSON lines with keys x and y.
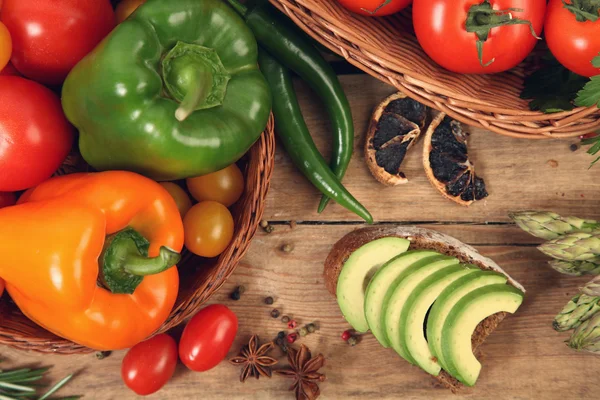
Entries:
{"x":420,"y":238}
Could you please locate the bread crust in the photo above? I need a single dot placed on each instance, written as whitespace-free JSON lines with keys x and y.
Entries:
{"x":420,"y":238}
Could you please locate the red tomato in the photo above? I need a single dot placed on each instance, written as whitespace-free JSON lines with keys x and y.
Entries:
{"x":50,"y":37}
{"x":150,"y":364}
{"x":35,"y":136}
{"x":573,"y":43}
{"x":9,"y":70}
{"x":441,"y":31}
{"x":207,"y":337}
{"x":7,"y":199}
{"x":375,"y":8}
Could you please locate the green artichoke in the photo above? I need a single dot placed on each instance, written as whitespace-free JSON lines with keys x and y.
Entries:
{"x":587,"y":336}
{"x":576,"y":268}
{"x":548,"y":225}
{"x":574,"y":246}
{"x":579,"y":309}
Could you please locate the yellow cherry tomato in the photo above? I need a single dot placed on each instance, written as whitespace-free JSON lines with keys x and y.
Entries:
{"x":179,"y":195}
{"x":5,"y":46}
{"x":208,"y":228}
{"x":225,"y":186}
{"x":126,"y":8}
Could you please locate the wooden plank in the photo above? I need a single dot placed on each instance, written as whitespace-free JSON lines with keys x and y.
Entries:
{"x":524,"y":359}
{"x":520,"y":174}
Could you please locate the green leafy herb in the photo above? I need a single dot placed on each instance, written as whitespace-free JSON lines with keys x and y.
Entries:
{"x":552,"y":88}
{"x":16,"y":384}
{"x":596,"y":61}
{"x":590,"y":94}
{"x":595,"y":149}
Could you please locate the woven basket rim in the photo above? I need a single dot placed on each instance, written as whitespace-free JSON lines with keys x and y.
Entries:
{"x":357,"y":39}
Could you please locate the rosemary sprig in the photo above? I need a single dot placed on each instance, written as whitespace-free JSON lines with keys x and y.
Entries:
{"x":17,"y":384}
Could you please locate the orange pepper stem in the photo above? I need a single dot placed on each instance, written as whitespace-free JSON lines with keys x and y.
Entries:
{"x":124,"y":261}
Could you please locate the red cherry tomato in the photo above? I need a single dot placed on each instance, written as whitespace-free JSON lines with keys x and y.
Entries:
{"x":207,"y":337}
{"x":50,"y":37}
{"x":35,"y":136}
{"x":441,"y":31}
{"x":7,"y":199}
{"x":573,"y":43}
{"x":375,"y":8}
{"x":150,"y":364}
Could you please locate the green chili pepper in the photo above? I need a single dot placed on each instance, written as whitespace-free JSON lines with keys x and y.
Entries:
{"x":172,"y":92}
{"x":290,"y":46}
{"x":295,"y":137}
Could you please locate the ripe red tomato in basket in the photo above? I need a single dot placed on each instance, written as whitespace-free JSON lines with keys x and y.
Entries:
{"x":50,"y":37}
{"x":574,"y":43}
{"x":441,"y":28}
{"x":375,"y":8}
{"x":207,"y":337}
{"x":150,"y":364}
{"x":35,"y":136}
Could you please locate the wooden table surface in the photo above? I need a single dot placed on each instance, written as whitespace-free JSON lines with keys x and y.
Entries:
{"x":524,"y":359}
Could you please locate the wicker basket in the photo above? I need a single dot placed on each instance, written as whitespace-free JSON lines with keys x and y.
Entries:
{"x":199,"y":278}
{"x":386,"y":48}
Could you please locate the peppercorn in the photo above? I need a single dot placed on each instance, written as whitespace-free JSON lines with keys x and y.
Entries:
{"x":573,"y":147}
{"x":275,"y":313}
{"x":269,"y":228}
{"x":235,"y":295}
{"x":291,"y":338}
{"x":303,"y":331}
{"x":285,"y":319}
{"x":241,"y":289}
{"x":352,"y":341}
{"x":281,"y":335}
{"x":292,"y":324}
{"x":311,"y":328}
{"x":287,"y":248}
{"x":263,"y":224}
{"x":346,"y":335}
{"x":269,"y":300}
{"x":100,"y":355}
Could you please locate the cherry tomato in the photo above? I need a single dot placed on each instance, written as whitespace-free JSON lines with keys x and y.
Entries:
{"x":5,"y":46}
{"x":126,"y":7}
{"x":50,"y":37}
{"x":224,"y":186}
{"x":208,"y":228}
{"x":375,"y":8}
{"x":150,"y":364}
{"x":573,"y":43}
{"x":207,"y":337}
{"x":7,"y":199}
{"x":440,"y":26}
{"x":35,"y":136}
{"x":179,"y":195}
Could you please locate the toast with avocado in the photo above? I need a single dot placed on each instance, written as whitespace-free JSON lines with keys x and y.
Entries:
{"x":431,"y":298}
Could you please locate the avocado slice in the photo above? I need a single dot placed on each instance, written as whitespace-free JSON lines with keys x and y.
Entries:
{"x":357,"y":272}
{"x":412,"y":337}
{"x":407,"y":281}
{"x":462,"y":320}
{"x":447,"y":299}
{"x":380,"y":290}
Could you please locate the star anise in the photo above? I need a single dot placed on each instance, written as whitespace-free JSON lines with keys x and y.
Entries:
{"x":254,"y":360}
{"x":303,"y":370}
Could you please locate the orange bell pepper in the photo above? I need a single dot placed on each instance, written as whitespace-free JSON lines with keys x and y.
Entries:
{"x":71,"y":232}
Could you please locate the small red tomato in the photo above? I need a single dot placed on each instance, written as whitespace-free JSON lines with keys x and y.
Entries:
{"x":150,"y":364}
{"x":207,"y":337}
{"x":375,"y":8}
{"x":51,"y":37}
{"x":7,"y":199}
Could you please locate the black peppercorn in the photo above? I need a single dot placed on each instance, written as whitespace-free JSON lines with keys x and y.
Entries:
{"x":275,"y":313}
{"x":269,"y":300}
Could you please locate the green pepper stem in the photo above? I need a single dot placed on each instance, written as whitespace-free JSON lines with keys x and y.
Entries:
{"x":196,"y":95}
{"x":238,"y":7}
{"x":124,"y":261}
{"x":482,"y":18}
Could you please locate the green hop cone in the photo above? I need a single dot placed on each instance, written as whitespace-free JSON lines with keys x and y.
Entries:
{"x":548,"y":225}
{"x":579,"y":309}
{"x":576,"y":268}
{"x":587,"y":336}
{"x":575,"y":246}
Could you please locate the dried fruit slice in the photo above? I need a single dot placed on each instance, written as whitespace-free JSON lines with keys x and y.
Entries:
{"x":446,"y":162}
{"x":395,"y":127}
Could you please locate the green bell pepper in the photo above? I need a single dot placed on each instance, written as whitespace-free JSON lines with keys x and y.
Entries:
{"x":173,"y":92}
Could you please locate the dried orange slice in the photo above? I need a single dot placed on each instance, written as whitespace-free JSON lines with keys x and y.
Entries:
{"x":446,"y":162}
{"x":394,"y":128}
